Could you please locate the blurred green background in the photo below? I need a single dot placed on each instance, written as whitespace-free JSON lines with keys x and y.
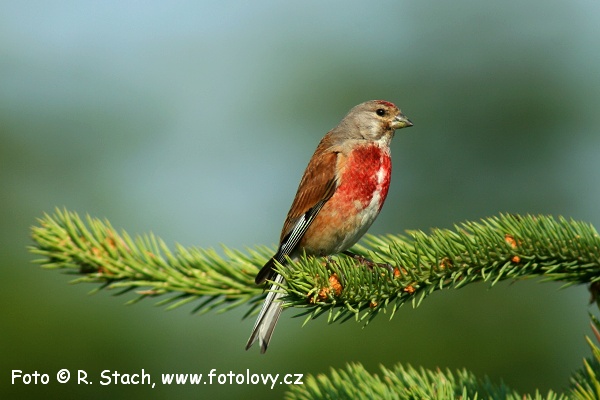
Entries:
{"x":196,"y":120}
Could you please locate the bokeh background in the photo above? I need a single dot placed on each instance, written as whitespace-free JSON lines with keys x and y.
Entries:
{"x":195,"y":121}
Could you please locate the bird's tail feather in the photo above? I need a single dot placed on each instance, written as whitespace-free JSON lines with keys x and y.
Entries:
{"x":267,"y":318}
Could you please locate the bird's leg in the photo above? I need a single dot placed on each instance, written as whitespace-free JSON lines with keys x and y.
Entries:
{"x":368,"y":263}
{"x":329,"y":260}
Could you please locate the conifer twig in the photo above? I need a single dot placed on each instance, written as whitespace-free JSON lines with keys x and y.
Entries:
{"x":94,"y":250}
{"x":494,"y":249}
{"x":406,"y":382}
{"x":497,"y":248}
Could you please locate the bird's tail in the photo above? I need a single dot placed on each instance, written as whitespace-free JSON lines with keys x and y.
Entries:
{"x":267,"y":318}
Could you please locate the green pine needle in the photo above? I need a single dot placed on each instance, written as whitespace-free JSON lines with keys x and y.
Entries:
{"x":491,"y":250}
{"x":94,"y":250}
{"x":494,"y":249}
{"x":400,"y":383}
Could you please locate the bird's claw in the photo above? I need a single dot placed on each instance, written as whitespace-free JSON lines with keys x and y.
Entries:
{"x":369,"y":263}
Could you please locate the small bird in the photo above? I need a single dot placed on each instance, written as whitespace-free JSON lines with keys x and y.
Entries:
{"x":340,"y":195}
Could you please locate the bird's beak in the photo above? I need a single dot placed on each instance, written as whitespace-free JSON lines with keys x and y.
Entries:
{"x":400,"y":121}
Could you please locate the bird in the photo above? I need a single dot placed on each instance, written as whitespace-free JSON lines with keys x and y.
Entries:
{"x":339,"y":196}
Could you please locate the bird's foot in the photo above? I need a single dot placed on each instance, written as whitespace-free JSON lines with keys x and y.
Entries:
{"x":369,"y":263}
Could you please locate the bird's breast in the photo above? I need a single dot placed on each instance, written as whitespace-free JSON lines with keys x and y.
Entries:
{"x":363,"y":183}
{"x":365,"y":178}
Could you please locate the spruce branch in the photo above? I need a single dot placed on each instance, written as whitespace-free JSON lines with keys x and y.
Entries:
{"x":399,"y":383}
{"x":585,"y":383}
{"x":95,"y":250}
{"x":494,"y":249}
{"x":407,"y":382}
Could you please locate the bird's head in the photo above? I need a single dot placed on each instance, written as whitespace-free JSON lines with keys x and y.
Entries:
{"x":374,"y":120}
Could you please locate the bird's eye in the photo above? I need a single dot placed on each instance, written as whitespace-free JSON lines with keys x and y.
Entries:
{"x":380,"y":112}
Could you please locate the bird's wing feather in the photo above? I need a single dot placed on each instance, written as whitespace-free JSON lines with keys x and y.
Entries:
{"x":317,"y":186}
{"x":302,"y":223}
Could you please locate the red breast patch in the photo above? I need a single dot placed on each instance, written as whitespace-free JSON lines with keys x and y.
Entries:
{"x":367,"y":173}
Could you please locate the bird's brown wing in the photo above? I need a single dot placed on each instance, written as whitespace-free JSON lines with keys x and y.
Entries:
{"x":316,"y":187}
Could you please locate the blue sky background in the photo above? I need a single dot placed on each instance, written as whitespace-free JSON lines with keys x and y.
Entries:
{"x":195,"y":121}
